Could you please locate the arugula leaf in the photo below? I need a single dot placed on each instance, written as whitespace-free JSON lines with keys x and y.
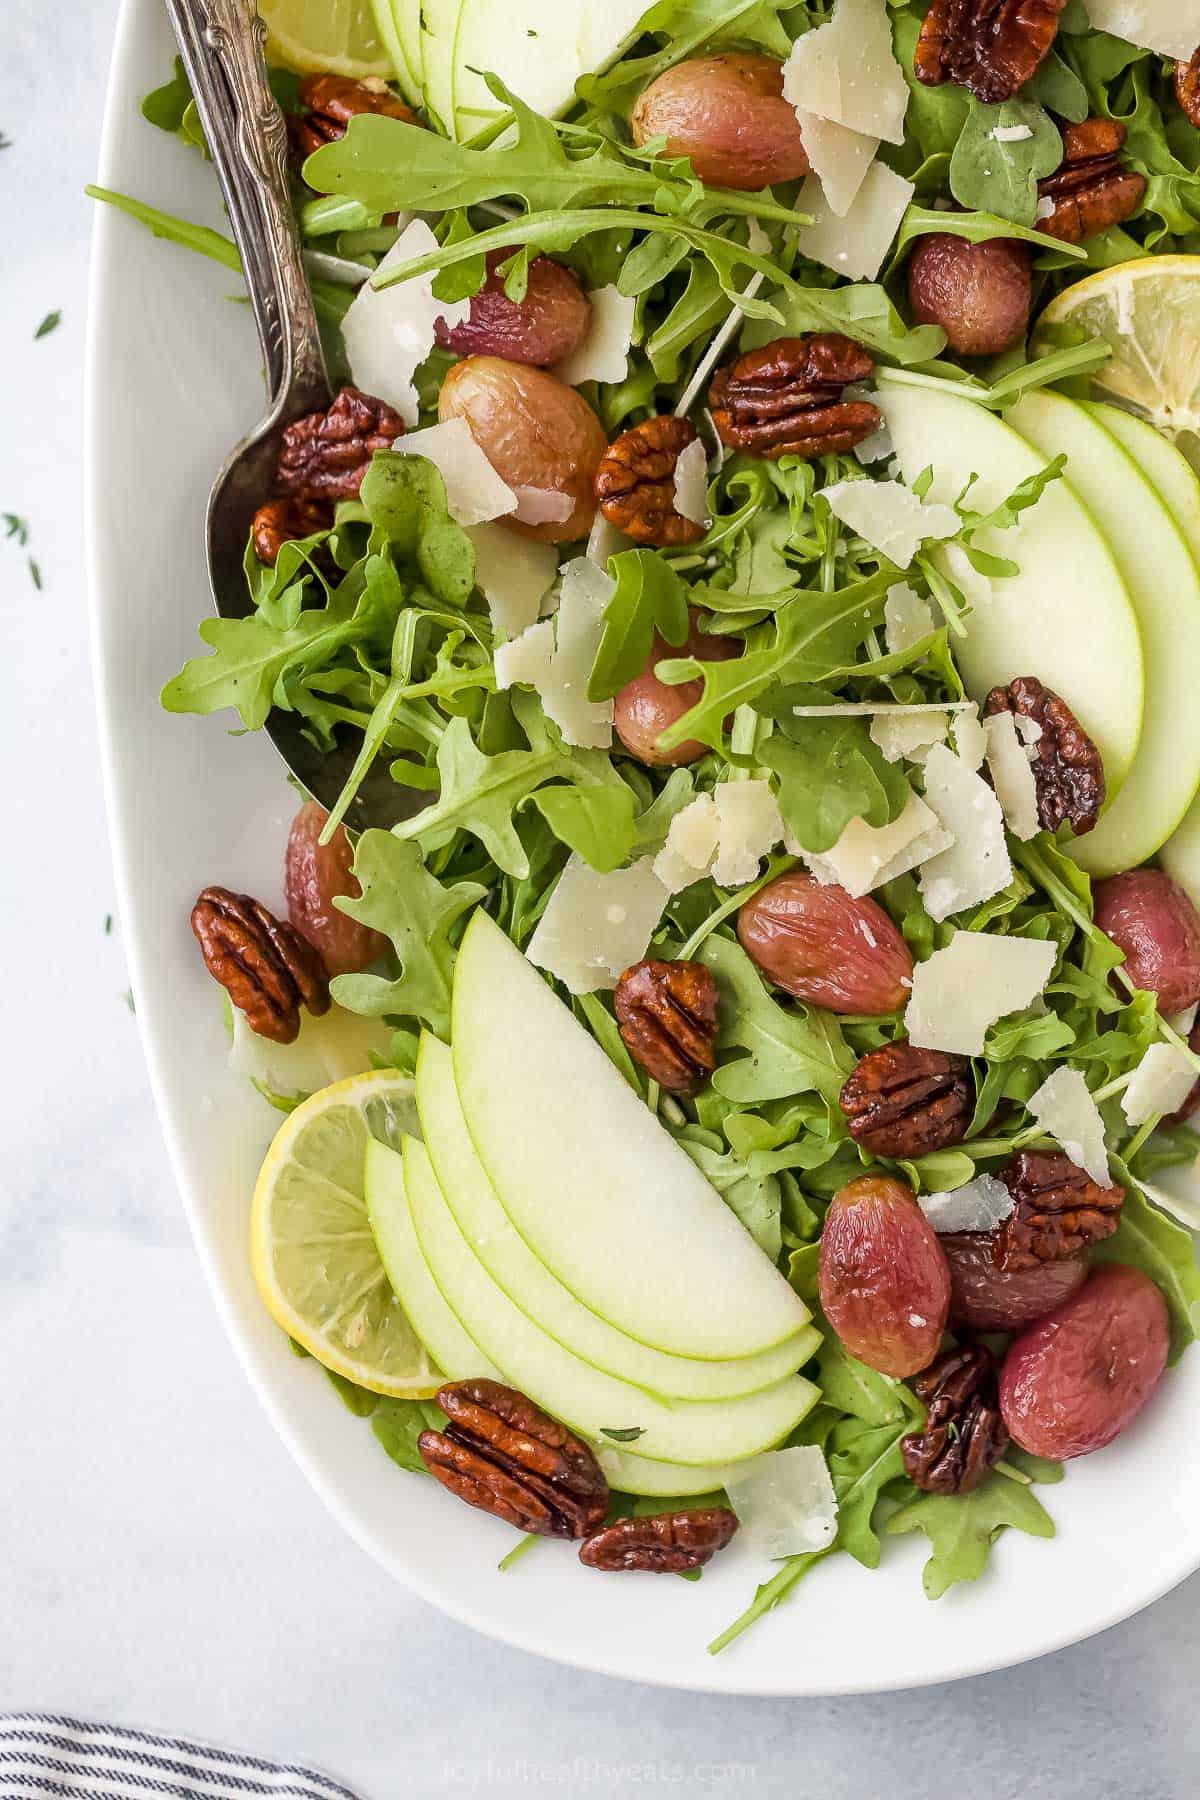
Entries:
{"x":596,"y":822}
{"x":399,"y":1423}
{"x":649,"y":597}
{"x":1148,"y":1240}
{"x":830,"y":774}
{"x":791,"y":1052}
{"x":862,"y":1460}
{"x":994,"y":174}
{"x":859,"y":1391}
{"x":401,"y":899}
{"x":480,"y":793}
{"x":963,"y":1527}
{"x":405,"y":499}
{"x":754,"y":1198}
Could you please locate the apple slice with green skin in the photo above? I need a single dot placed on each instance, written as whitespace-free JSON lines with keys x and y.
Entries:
{"x":540,"y":1295}
{"x":538,"y":48}
{"x":457,"y":1354}
{"x":600,"y":1191}
{"x":398,"y":23}
{"x":1067,"y":616}
{"x":1175,"y":479}
{"x":1164,"y":583}
{"x":440,"y":23}
{"x":693,"y":1432}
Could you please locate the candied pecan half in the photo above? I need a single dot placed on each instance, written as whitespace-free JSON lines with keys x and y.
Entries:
{"x":1187,"y":87}
{"x":1091,"y":189}
{"x":1068,"y":770}
{"x":663,"y":1544}
{"x":268,"y":970}
{"x":501,"y":1453}
{"x":901,"y":1101}
{"x":1059,"y":1209}
{"x":331,"y":101}
{"x":964,"y":1432}
{"x":785,"y":399}
{"x":277,"y":522}
{"x":992,"y":47}
{"x":325,"y":455}
{"x":667,"y":1014}
{"x":635,"y":483}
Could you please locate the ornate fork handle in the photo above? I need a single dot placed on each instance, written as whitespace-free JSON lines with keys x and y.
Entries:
{"x":221,"y":43}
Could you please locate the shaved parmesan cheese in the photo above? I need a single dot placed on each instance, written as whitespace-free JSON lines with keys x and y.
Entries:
{"x":979,"y":1206}
{"x":330,"y":1048}
{"x":910,"y":734}
{"x":1012,"y":776}
{"x":970,"y":743}
{"x":556,"y":657}
{"x":847,"y":71}
{"x":977,"y":864}
{"x":890,"y":517}
{"x":1064,"y":1108}
{"x":856,"y":245}
{"x":597,"y":926}
{"x":877,"y":447}
{"x":543,"y":506}
{"x":1182,"y":1022}
{"x":749,"y":828}
{"x":1170,"y":27}
{"x":474,"y":491}
{"x":785,"y":1501}
{"x":1011,"y":134}
{"x":604,"y":352}
{"x":691,"y":846}
{"x":906,"y":618}
{"x":870,"y":709}
{"x":389,"y":332}
{"x":839,"y":158}
{"x":691,"y":484}
{"x":605,"y":540}
{"x":866,"y":856}
{"x":513,"y":574}
{"x":1161,"y":1083}
{"x":962,"y":990}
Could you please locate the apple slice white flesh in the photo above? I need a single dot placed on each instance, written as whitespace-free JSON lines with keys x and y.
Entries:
{"x":1067,"y":616}
{"x":1175,"y":479}
{"x":457,"y":1354}
{"x":440,"y":23}
{"x":538,"y":48}
{"x":599,"y":1190}
{"x":586,"y":1399}
{"x":1164,"y":583}
{"x":540,"y":1295}
{"x":398,"y":23}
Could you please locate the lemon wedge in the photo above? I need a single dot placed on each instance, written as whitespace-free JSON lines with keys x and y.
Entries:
{"x":1149,"y":311}
{"x":336,"y":37}
{"x":312,"y":1249}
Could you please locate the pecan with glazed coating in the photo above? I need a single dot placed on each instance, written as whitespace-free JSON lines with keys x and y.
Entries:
{"x":635,"y":483}
{"x":902,"y":1101}
{"x":786,"y":399}
{"x":331,"y":101}
{"x":501,"y":1453}
{"x":663,"y":1544}
{"x":1058,"y":1210}
{"x":964,"y":1432}
{"x":667,"y":1014}
{"x":1092,"y":189}
{"x":278,"y":522}
{"x":992,"y":47}
{"x":325,"y":455}
{"x":268,"y":970}
{"x":1187,"y":88}
{"x":1068,"y":770}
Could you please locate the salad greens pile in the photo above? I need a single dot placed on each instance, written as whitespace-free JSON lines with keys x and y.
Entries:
{"x":376,"y":627}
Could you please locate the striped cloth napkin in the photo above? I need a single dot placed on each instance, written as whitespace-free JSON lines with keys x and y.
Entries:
{"x":44,"y":1757}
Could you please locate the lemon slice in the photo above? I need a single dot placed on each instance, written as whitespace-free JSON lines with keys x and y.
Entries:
{"x":337,"y":37}
{"x":311,"y":1246}
{"x":1149,"y":311}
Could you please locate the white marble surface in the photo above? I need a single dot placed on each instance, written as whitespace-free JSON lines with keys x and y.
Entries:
{"x":161,"y":1560}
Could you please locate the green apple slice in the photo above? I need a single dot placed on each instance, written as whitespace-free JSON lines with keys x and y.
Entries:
{"x":1175,"y":479}
{"x":539,"y":49}
{"x":457,"y":1354}
{"x":1164,"y":583}
{"x":393,"y":26}
{"x":600,"y":1191}
{"x":1067,"y":616}
{"x":440,"y":21}
{"x":439,"y":1328}
{"x":591,"y":1402}
{"x":540,"y":1295}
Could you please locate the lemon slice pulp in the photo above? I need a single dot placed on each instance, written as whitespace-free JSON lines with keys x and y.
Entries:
{"x":337,"y":37}
{"x":312,"y":1249}
{"x":1149,"y":311}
